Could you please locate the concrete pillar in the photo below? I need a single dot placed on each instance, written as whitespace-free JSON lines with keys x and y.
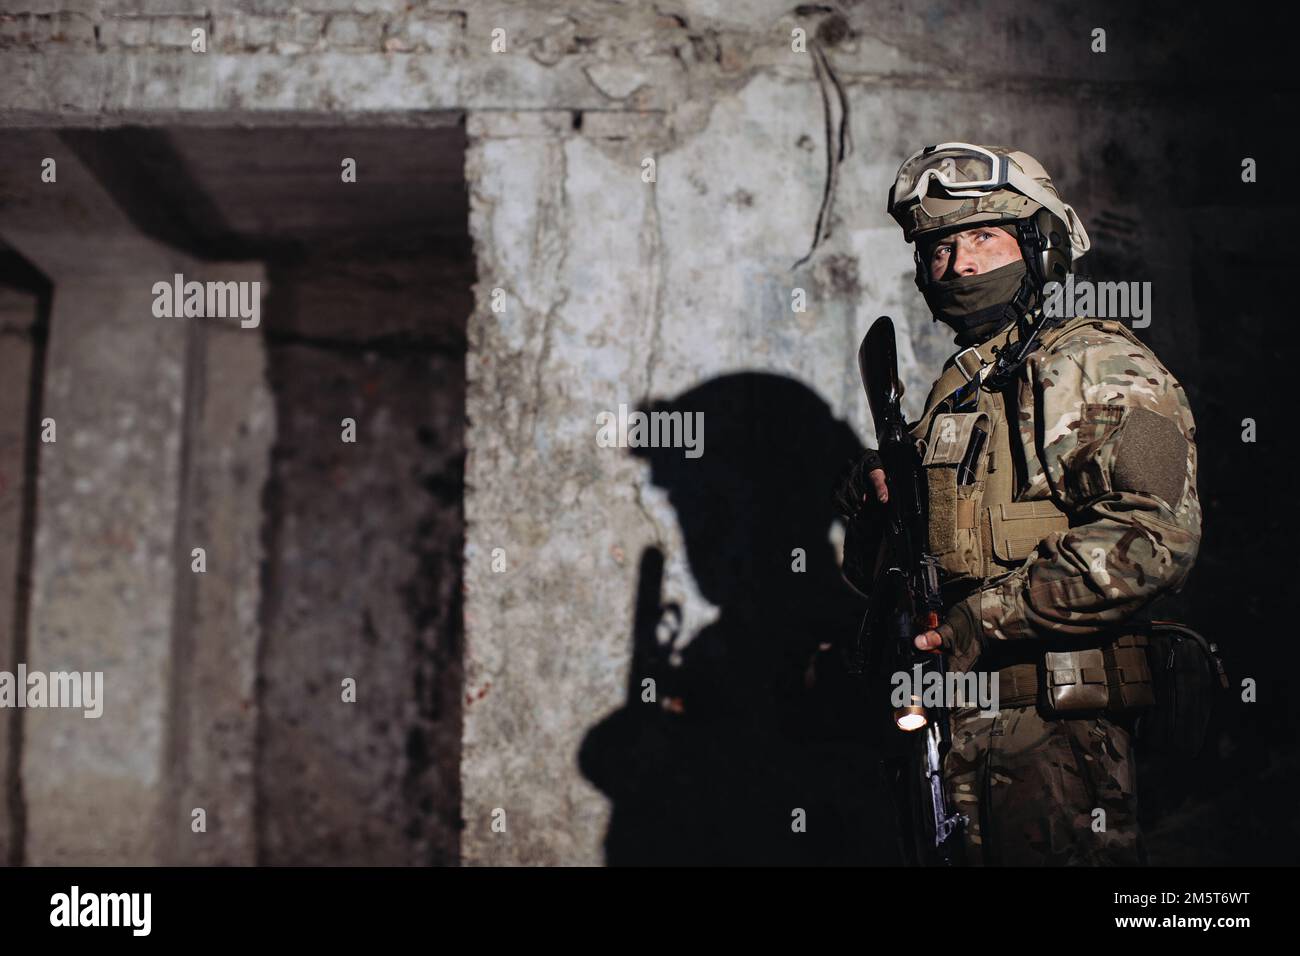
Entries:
{"x":105,"y":570}
{"x":212,"y":720}
{"x":546,"y":631}
{"x":162,"y":428}
{"x":18,"y":316}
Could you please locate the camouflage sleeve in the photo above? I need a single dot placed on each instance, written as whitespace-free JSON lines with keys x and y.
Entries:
{"x":1116,"y":441}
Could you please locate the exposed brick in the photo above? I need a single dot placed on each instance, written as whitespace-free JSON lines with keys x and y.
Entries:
{"x":13,"y":28}
{"x":75,"y":29}
{"x":611,"y":124}
{"x":175,"y":31}
{"x":506,"y":124}
{"x":423,"y":33}
{"x":307,"y":27}
{"x":63,"y":27}
{"x":124,"y":31}
{"x":293,"y":32}
{"x":39,"y":27}
{"x":351,"y":7}
{"x":173,"y":8}
{"x":346,"y":32}
{"x":259,"y":32}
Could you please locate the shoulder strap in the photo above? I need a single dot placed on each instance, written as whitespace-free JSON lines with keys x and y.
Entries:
{"x":954,"y":377}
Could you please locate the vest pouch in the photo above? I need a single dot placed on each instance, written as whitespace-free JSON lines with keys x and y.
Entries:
{"x":1131,"y":686}
{"x":1114,"y":679}
{"x":1071,"y":683}
{"x":1189,"y":678}
{"x":955,"y":464}
{"x":1017,"y":527}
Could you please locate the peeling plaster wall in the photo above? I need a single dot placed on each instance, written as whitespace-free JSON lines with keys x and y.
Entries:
{"x":616,"y":290}
{"x":97,"y":57}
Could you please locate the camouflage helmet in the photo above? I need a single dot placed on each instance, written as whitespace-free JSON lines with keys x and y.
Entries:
{"x":953,"y":186}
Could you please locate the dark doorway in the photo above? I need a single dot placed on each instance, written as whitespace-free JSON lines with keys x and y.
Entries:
{"x":369,"y":293}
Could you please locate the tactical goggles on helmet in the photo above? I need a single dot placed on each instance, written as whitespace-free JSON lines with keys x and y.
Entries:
{"x":965,"y":170}
{"x":959,"y":166}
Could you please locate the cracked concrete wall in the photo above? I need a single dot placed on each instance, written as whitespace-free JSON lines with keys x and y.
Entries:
{"x":616,"y":290}
{"x":98,"y":57}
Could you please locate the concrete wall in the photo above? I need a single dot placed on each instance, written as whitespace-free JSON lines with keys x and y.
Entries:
{"x":616,"y":290}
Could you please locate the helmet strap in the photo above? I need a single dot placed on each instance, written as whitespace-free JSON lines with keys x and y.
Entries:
{"x":1012,"y":356}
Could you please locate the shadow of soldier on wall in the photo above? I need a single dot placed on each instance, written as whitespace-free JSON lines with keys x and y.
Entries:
{"x":755,"y":748}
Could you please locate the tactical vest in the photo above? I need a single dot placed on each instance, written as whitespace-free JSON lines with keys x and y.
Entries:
{"x":979,"y":532}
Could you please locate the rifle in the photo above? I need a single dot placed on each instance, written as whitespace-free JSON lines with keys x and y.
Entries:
{"x":905,"y":600}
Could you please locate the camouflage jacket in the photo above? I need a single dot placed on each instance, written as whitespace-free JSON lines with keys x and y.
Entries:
{"x":1107,"y":434}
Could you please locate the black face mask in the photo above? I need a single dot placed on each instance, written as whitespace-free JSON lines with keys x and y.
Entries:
{"x":975,"y":306}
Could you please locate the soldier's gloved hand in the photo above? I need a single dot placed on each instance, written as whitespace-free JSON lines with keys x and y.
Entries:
{"x":959,"y":637}
{"x":865,"y":482}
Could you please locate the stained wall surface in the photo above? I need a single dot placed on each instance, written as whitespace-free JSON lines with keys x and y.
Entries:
{"x":644,"y":185}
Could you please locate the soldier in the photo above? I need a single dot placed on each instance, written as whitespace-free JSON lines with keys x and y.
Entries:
{"x":1061,"y":476}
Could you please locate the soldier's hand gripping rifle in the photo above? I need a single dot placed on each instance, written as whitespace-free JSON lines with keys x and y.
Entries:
{"x":905,"y":601}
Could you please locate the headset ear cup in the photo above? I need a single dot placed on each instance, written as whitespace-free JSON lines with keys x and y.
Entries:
{"x":1058,"y":249}
{"x":1047,"y":247}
